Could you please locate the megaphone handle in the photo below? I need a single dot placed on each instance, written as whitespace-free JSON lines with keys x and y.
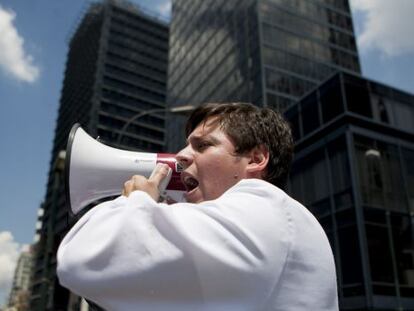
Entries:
{"x":164,"y":183}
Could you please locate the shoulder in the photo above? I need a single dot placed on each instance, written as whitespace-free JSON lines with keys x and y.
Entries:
{"x":260,"y":206}
{"x":259,"y":190}
{"x":274,"y":208}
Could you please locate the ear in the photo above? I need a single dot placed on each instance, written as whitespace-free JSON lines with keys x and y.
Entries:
{"x":258,"y":159}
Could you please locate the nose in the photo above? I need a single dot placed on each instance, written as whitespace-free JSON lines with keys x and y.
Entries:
{"x":184,"y":157}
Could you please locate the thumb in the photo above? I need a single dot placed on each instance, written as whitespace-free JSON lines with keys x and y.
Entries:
{"x":161,"y":176}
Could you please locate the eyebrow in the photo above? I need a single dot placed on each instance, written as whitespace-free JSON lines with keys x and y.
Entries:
{"x":201,"y":137}
{"x":194,"y":138}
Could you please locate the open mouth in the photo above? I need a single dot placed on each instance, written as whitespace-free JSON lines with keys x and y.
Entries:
{"x":190,"y":183}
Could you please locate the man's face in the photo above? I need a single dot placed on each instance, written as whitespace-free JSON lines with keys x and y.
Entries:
{"x":210,"y":164}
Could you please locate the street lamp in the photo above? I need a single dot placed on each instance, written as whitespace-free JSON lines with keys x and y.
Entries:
{"x":178,"y":109}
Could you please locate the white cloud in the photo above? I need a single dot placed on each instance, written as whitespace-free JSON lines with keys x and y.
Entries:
{"x":387,"y":26}
{"x":13,"y":59}
{"x":9,"y":253}
{"x":165,"y":8}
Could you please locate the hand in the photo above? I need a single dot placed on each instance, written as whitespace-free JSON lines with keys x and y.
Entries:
{"x":150,"y":185}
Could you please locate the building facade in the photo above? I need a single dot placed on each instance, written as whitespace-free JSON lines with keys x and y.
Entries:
{"x":354,"y":169}
{"x":116,"y":68}
{"x":268,"y":52}
{"x":19,"y":294}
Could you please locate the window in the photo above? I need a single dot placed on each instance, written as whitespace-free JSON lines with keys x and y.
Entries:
{"x":331,"y":99}
{"x":300,"y":65}
{"x":408,"y":161}
{"x":404,"y":253}
{"x":404,"y":116}
{"x":351,"y":266}
{"x":357,"y":96}
{"x":375,"y":216}
{"x":340,"y":177}
{"x":381,"y":108}
{"x":292,"y":115}
{"x":310,"y":113}
{"x":315,"y":178}
{"x":395,"y":198}
{"x":380,"y":174}
{"x":295,"y":183}
{"x":380,"y":260}
{"x":276,"y":102}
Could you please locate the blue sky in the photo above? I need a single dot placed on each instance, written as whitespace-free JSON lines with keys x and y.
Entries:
{"x":33,"y":48}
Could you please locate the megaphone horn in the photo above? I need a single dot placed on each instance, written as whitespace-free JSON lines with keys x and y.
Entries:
{"x":95,"y":171}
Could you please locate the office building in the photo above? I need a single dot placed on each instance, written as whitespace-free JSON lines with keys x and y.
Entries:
{"x":116,"y":69}
{"x":354,"y":169}
{"x":268,"y":52}
{"x":19,"y":294}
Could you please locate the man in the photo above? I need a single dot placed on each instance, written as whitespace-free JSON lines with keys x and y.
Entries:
{"x":238,"y":243}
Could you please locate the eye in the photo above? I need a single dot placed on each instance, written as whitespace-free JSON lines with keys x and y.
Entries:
{"x":202,"y":145}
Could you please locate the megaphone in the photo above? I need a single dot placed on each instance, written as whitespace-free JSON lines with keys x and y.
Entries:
{"x":95,"y":171}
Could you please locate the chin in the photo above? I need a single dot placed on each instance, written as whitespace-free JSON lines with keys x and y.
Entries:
{"x":194,"y":198}
{"x":198,"y":200}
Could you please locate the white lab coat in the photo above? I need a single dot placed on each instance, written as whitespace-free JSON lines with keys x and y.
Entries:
{"x":254,"y":248}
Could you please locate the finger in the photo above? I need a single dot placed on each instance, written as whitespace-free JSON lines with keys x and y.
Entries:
{"x":138,"y":180}
{"x":128,"y":185}
{"x":160,"y":172}
{"x":124,"y":189}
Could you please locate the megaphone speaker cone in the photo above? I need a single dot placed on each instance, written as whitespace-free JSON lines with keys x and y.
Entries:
{"x":95,"y":171}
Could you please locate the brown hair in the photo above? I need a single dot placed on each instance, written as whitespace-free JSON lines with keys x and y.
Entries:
{"x":248,"y":127}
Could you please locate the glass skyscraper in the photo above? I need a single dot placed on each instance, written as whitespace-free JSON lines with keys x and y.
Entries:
{"x":354,"y":170}
{"x":116,"y":68}
{"x":268,"y":52}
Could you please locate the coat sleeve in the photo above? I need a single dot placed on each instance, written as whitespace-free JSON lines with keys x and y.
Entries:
{"x":133,"y":250}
